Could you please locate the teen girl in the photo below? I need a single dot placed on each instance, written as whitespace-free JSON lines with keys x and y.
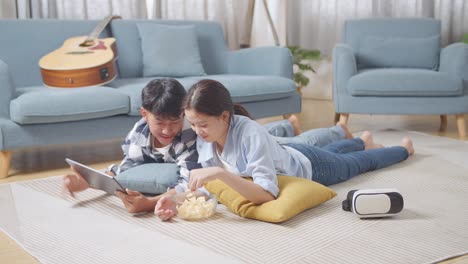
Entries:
{"x":231,"y":147}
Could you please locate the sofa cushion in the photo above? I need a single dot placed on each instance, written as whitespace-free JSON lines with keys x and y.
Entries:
{"x":210,"y":37}
{"x":355,"y":30}
{"x":404,"y":82}
{"x":399,"y":52}
{"x":37,"y":105}
{"x":243,"y":88}
{"x":170,"y":51}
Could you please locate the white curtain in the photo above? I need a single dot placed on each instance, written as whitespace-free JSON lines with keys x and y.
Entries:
{"x":262,"y":34}
{"x":7,"y":9}
{"x":317,"y":24}
{"x":80,"y":9}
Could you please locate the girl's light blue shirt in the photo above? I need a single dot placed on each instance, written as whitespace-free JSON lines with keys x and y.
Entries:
{"x":255,"y":153}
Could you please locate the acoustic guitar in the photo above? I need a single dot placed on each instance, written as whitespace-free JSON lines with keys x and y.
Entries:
{"x":81,"y":61}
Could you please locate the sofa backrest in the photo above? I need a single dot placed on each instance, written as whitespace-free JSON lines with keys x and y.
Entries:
{"x":24,"y":42}
{"x":394,"y":42}
{"x":211,"y":43}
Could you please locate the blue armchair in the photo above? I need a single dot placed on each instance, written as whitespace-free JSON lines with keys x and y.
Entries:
{"x":396,"y":66}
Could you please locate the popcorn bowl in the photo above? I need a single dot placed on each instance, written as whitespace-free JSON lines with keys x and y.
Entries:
{"x":196,"y":208}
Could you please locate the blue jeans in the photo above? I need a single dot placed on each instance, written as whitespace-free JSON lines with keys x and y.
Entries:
{"x":284,"y":134}
{"x":344,"y":159}
{"x":281,"y":128}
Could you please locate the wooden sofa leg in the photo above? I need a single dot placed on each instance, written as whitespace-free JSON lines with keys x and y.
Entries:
{"x":344,"y":118}
{"x":461,"y":125}
{"x":337,"y":118}
{"x":443,"y":123}
{"x":5,"y":159}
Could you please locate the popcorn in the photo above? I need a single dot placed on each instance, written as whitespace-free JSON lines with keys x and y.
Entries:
{"x":193,"y":208}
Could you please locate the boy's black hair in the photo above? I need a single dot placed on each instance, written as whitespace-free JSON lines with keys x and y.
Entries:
{"x":164,"y":98}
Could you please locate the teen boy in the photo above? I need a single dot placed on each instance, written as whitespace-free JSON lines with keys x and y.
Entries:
{"x":161,"y":136}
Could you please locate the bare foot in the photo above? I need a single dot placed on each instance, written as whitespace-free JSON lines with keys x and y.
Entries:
{"x":369,"y":143}
{"x":407,"y":143}
{"x":348,"y":134}
{"x":295,"y":123}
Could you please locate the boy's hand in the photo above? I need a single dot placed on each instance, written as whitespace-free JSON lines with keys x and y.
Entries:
{"x":166,"y":208}
{"x":72,"y":183}
{"x":136,"y":202}
{"x":110,"y":173}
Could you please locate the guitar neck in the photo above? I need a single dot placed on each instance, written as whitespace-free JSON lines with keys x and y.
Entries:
{"x":100,"y":27}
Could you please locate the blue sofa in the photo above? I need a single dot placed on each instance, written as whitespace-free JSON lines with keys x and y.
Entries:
{"x":396,"y":66}
{"x":34,"y":115}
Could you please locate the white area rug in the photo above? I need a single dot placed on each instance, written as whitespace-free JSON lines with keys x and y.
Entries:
{"x":95,"y":228}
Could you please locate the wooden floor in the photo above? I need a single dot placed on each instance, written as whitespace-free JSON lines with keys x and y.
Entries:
{"x":37,"y":163}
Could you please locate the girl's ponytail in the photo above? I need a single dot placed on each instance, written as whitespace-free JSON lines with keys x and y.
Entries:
{"x":240,"y":110}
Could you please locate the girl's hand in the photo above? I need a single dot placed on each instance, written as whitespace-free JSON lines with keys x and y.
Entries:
{"x":136,"y":202}
{"x":166,"y":207}
{"x":198,"y":177}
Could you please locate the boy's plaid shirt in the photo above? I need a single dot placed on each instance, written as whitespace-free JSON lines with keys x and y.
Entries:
{"x":138,"y":149}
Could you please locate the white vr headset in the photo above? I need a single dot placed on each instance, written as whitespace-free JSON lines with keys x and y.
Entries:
{"x":370,"y":203}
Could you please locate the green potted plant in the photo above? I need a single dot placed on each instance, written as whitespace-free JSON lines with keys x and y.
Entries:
{"x":465,"y":38}
{"x":300,"y":60}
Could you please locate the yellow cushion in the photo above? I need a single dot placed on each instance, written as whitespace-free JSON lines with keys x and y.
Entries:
{"x":296,"y":195}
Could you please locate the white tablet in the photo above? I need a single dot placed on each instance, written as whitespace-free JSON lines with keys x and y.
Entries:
{"x":97,"y":179}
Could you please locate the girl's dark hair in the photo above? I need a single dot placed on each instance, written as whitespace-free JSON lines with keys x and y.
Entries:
{"x":211,"y":98}
{"x":163,"y":97}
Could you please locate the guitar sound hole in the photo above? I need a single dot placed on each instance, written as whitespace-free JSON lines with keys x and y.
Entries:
{"x":87,"y":43}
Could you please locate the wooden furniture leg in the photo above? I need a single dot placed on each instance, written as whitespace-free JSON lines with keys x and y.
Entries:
{"x":461,"y":125}
{"x":337,"y":118}
{"x":5,"y":158}
{"x":344,"y":118}
{"x":443,"y":123}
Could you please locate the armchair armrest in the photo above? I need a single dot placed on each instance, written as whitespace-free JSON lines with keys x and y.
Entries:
{"x":261,"y":61}
{"x":344,"y":67}
{"x":7,"y":90}
{"x":454,"y":60}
